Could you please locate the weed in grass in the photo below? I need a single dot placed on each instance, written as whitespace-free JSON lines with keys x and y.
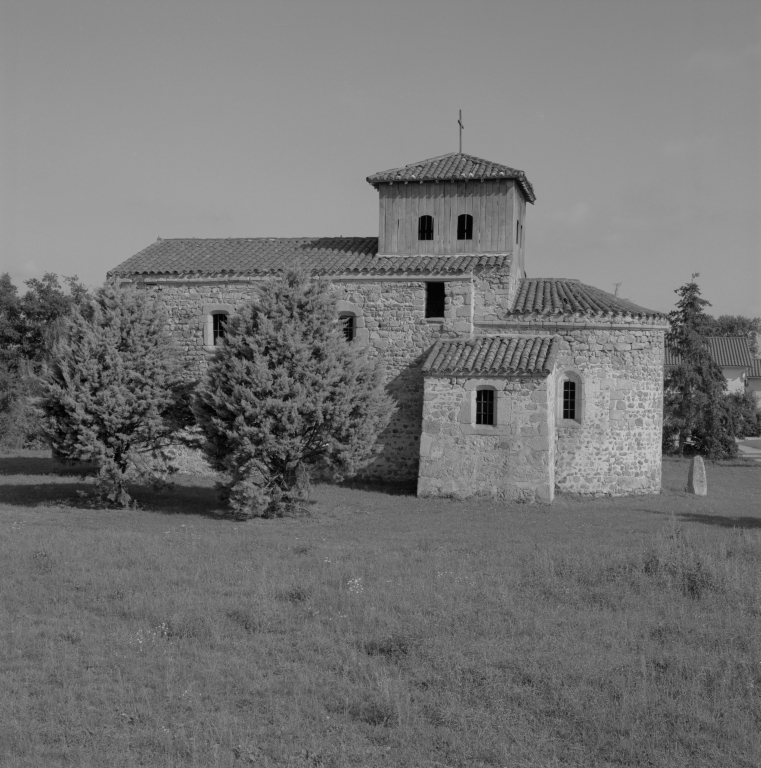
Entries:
{"x":187,"y":626}
{"x":294,"y":595}
{"x":246,"y":619}
{"x":373,"y":711}
{"x":393,"y":647}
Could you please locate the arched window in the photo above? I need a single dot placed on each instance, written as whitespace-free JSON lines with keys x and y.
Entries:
{"x":464,"y":227}
{"x":351,"y":321}
{"x":347,"y":326}
{"x":570,"y":400}
{"x":485,"y":406}
{"x":425,"y":228}
{"x":213,"y":323}
{"x":218,"y":327}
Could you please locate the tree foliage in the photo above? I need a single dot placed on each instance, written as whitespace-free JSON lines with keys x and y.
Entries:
{"x":286,"y":394}
{"x":695,"y":407}
{"x":112,"y":390}
{"x":29,"y":325}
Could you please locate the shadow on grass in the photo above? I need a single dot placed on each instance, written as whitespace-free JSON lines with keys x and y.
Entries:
{"x":175,"y":500}
{"x":35,"y":465}
{"x":720,"y":520}
{"x":404,"y":488}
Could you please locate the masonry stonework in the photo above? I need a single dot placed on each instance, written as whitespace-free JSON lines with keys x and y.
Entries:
{"x":512,"y":460}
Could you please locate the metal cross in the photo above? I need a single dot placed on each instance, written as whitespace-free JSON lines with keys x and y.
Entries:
{"x":459,"y":122}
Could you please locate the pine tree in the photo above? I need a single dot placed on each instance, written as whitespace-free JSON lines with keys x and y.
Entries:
{"x":286,"y":394}
{"x":695,"y":407}
{"x":110,"y":395}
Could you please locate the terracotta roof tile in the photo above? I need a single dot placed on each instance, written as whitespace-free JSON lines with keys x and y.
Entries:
{"x":454,"y":167}
{"x":270,"y":255}
{"x":726,"y":351}
{"x":493,"y":355}
{"x":556,"y":296}
{"x":730,"y":350}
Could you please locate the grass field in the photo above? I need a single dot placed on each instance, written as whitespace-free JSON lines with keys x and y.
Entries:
{"x":381,"y":629}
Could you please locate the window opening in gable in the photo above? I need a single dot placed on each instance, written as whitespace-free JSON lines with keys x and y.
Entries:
{"x":435,"y":294}
{"x":464,"y":227}
{"x":219,"y":327}
{"x":347,"y":326}
{"x":425,"y":228}
{"x":569,"y":400}
{"x":484,"y":406}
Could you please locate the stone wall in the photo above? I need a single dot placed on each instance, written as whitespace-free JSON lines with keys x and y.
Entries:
{"x":391,"y":323}
{"x":512,"y":460}
{"x":615,"y":448}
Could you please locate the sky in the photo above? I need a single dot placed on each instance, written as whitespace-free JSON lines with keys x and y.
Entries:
{"x":638,"y":124}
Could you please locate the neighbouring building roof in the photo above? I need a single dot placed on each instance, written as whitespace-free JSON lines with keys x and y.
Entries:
{"x":754,"y":370}
{"x":726,"y":351}
{"x":455,"y":166}
{"x":557,"y":296}
{"x":493,"y":355}
{"x":270,"y":255}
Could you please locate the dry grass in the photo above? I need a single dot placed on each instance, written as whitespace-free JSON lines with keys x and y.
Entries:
{"x":381,"y":630}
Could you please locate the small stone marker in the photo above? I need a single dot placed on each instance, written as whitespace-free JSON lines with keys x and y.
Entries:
{"x":696,"y":480}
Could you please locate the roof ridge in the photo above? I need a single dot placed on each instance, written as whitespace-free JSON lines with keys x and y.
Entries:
{"x":316,"y":237}
{"x":321,"y":255}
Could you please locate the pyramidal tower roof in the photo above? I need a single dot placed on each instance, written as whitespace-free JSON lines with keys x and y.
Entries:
{"x":456,"y":166}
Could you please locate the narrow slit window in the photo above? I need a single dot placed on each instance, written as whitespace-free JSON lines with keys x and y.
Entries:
{"x":347,"y":326}
{"x":485,"y":406}
{"x":569,"y":400}
{"x":219,"y":327}
{"x":425,"y":228}
{"x":435,"y":294}
{"x":464,"y":227}
{"x":517,"y":232}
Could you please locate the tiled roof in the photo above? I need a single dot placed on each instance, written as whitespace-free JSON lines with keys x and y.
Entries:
{"x":556,"y":296}
{"x":493,"y":355}
{"x":730,"y":350}
{"x":317,"y":255}
{"x":726,"y":351}
{"x":454,"y":166}
{"x":754,"y":370}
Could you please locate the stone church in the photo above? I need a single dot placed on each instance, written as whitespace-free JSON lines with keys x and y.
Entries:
{"x":506,"y":385}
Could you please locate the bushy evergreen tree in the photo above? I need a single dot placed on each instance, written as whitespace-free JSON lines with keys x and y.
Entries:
{"x":695,"y":407}
{"x":285,"y":394}
{"x":110,"y":395}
